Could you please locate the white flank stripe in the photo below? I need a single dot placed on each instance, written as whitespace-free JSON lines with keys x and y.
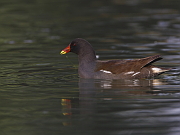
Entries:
{"x":108,"y":72}
{"x":130,"y":72}
{"x":135,"y":73}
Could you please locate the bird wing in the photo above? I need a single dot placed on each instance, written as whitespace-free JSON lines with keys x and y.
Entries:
{"x":120,"y":66}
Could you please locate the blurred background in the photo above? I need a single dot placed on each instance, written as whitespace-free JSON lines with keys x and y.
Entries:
{"x":123,"y":21}
{"x":40,"y":92}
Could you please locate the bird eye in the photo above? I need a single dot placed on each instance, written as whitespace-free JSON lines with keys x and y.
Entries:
{"x":74,"y":44}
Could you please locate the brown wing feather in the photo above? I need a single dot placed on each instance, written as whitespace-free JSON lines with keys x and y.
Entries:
{"x":119,"y":66}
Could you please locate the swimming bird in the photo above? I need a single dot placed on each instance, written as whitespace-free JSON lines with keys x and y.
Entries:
{"x":90,"y":67}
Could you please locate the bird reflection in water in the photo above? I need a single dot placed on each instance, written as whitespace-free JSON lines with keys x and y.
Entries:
{"x":66,"y":110}
{"x":91,"y":91}
{"x":115,"y":87}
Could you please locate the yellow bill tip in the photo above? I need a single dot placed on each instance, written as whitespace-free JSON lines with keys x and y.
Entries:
{"x":62,"y":52}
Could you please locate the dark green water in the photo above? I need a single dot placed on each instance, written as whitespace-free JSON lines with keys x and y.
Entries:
{"x":40,"y":92}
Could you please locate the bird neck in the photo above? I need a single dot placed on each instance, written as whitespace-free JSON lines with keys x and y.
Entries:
{"x":87,"y":57}
{"x":87,"y":64}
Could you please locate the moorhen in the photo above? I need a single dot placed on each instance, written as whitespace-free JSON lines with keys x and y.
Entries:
{"x":90,"y":67}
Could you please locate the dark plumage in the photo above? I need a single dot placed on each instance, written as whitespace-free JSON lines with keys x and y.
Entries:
{"x":89,"y":67}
